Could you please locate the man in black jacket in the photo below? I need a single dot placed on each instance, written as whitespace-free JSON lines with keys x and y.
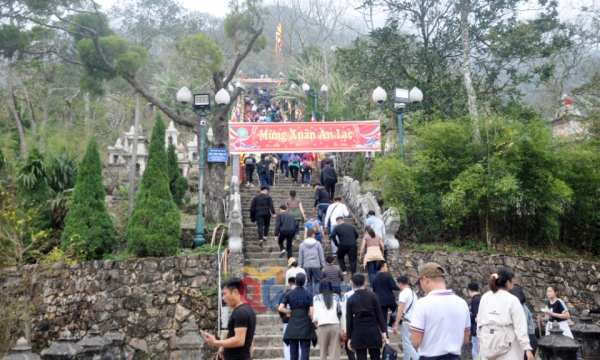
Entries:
{"x":475,"y":294}
{"x":344,"y":237}
{"x":261,"y":211}
{"x":285,"y":228}
{"x":329,"y":179}
{"x":322,"y":199}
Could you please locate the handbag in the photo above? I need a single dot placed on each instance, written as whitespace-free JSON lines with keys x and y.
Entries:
{"x":338,"y":309}
{"x":389,"y":353}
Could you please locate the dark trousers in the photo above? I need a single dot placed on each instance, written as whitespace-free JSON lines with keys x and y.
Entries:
{"x":263,"y":222}
{"x":330,"y":188}
{"x":322,"y":211}
{"x":374,"y":354}
{"x":294,"y":173}
{"x":349,"y":353}
{"x":284,"y":165}
{"x":272,"y":177}
{"x":441,"y":357}
{"x":384,"y":310}
{"x":534,"y":345}
{"x":249,"y":171}
{"x":306,"y":175}
{"x":265,"y":180}
{"x":289,"y":237}
{"x":313,"y":279}
{"x":352,"y":251}
{"x":303,"y":345}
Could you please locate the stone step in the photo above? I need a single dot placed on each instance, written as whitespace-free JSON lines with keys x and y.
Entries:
{"x":272,"y":352}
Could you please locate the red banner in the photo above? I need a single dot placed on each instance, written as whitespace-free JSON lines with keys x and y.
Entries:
{"x":343,"y":136}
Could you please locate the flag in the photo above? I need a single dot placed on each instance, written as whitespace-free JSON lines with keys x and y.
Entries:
{"x":313,"y":117}
{"x":278,"y":38}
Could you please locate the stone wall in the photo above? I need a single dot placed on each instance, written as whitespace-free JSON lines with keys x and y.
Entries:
{"x":149,"y":299}
{"x":577,"y":280}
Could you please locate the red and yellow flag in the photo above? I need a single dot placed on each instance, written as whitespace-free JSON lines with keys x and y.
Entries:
{"x":278,"y":38}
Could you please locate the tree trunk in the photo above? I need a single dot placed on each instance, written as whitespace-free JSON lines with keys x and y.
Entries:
{"x":215,"y":181}
{"x":69,"y":112}
{"x":30,"y":109}
{"x":17,"y":116}
{"x":472,"y":97}
{"x":133,"y":165}
{"x":326,"y":79}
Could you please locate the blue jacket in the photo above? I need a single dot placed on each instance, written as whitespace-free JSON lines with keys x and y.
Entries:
{"x":285,"y":157}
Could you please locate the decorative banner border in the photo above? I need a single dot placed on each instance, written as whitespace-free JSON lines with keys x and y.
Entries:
{"x":344,"y":136}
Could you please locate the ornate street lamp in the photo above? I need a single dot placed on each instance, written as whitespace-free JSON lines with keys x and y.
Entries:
{"x":200,"y":105}
{"x":314,"y":94}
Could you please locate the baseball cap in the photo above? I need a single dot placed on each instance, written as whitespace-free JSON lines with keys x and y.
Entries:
{"x":291,"y":261}
{"x":430,"y":270}
{"x":371,"y":212}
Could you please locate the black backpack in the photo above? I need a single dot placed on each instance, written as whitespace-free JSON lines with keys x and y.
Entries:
{"x":263,"y":167}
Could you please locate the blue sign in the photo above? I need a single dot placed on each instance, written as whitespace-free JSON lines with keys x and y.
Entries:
{"x":218,"y":155}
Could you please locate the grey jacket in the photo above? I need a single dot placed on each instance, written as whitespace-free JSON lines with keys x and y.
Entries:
{"x":310,"y":254}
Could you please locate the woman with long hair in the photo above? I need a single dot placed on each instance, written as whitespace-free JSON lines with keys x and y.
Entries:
{"x":501,"y":322}
{"x":329,"y":320}
{"x":374,"y":252}
{"x":520,"y":294}
{"x":556,"y":310}
{"x":294,"y":205}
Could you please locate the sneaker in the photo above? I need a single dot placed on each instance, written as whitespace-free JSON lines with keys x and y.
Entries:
{"x":390,"y":329}
{"x":282,"y":253}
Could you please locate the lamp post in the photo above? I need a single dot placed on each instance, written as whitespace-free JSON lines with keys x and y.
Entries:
{"x":315,"y":95}
{"x":404,"y":100}
{"x":200,"y":105}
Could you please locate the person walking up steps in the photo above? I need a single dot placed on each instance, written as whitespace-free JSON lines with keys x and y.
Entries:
{"x":475,"y":294}
{"x":263,"y":171}
{"x":327,"y":318}
{"x":440,"y":323}
{"x":240,"y":327}
{"x":293,"y":269}
{"x":272,"y":168}
{"x":383,"y":285}
{"x":501,"y":323}
{"x":322,"y":200}
{"x":300,"y":331}
{"x":374,"y":247}
{"x":294,"y":205}
{"x":291,"y":282}
{"x":306,"y":169}
{"x":347,"y":235}
{"x":312,"y":260}
{"x":329,"y":179}
{"x":294,"y":167}
{"x":285,"y":229}
{"x":335,"y":210}
{"x":406,"y":302}
{"x":283,"y":164}
{"x":261,"y":211}
{"x":333,"y":274}
{"x":317,"y":227}
{"x":376,"y":224}
{"x":250,"y":163}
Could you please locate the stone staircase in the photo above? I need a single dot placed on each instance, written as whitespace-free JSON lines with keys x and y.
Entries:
{"x":264,"y":270}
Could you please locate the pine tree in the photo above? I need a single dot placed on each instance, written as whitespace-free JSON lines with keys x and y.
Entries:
{"x":153,"y":228}
{"x":177,"y":183}
{"x":87,"y":224}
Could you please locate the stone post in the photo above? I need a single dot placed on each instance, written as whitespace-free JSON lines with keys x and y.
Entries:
{"x":93,"y":345}
{"x":191,"y":342}
{"x":64,"y":349}
{"x":588,"y":334}
{"x":21,"y":352}
{"x":556,"y":346}
{"x":115,"y":341}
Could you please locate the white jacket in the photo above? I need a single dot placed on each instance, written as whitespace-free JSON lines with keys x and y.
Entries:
{"x":334,"y":211}
{"x":501,"y":313}
{"x":324,"y":316}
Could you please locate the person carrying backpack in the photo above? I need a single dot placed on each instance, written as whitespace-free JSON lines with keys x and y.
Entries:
{"x":283,"y":164}
{"x":294,"y":166}
{"x":329,"y":179}
{"x":250,"y":164}
{"x":263,"y":171}
{"x":306,"y":169}
{"x":317,"y":227}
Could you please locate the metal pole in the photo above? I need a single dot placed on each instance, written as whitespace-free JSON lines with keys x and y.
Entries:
{"x":199,"y":239}
{"x":400,"y":134}
{"x":316,"y":97}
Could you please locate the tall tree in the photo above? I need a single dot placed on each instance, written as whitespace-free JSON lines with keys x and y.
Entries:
{"x":178,"y":184}
{"x":471,"y":96}
{"x":87,"y":224}
{"x":153,"y":228}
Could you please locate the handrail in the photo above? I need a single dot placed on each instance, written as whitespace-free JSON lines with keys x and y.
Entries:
{"x":212,"y":242}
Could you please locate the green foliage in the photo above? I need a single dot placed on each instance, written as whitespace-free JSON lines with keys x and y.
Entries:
{"x":12,"y":39}
{"x":153,"y":228}
{"x":33,"y":185}
{"x":2,"y":161}
{"x":177,"y":183}
{"x":358,"y":168}
{"x":198,"y":55}
{"x":87,"y":220}
{"x":98,"y":23}
{"x":243,"y":21}
{"x":62,"y":171}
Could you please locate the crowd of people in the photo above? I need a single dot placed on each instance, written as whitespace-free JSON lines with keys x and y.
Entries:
{"x":434,"y":327}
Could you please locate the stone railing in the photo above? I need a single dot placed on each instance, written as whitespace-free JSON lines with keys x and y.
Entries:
{"x":236,"y":226}
{"x":360,"y":204}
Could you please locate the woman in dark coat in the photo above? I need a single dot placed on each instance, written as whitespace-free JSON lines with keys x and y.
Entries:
{"x":300,"y":330}
{"x":364,"y":320}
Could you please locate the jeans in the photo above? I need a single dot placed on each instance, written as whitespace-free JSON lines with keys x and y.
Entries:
{"x":249,"y":171}
{"x":284,"y":165}
{"x":409,"y":351}
{"x":306,"y":175}
{"x":372,"y":271}
{"x":271,"y":177}
{"x":265,"y":180}
{"x":313,"y":279}
{"x":333,"y":247}
{"x":299,"y":350}
{"x":352,"y":252}
{"x":263,"y":222}
{"x":374,"y":354}
{"x":289,"y":237}
{"x":322,"y":211}
{"x":475,"y":349}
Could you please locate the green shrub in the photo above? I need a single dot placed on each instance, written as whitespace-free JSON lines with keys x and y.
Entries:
{"x":153,"y":228}
{"x":33,"y":185}
{"x":87,"y":219}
